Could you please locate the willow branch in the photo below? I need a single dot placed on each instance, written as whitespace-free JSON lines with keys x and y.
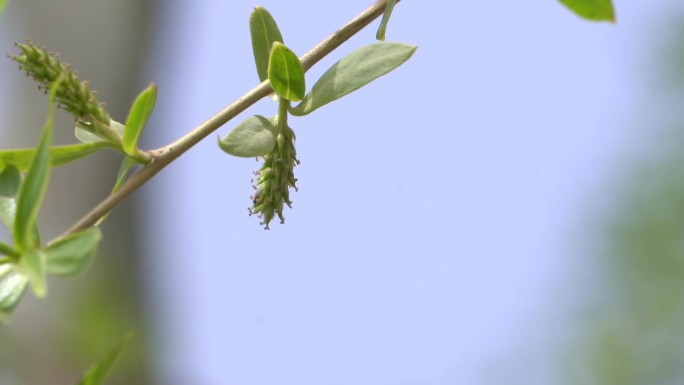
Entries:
{"x":163,"y":156}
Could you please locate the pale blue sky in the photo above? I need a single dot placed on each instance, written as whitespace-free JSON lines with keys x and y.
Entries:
{"x":439,"y":211}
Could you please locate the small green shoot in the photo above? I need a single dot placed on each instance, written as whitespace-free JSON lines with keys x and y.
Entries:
{"x":137,"y":119}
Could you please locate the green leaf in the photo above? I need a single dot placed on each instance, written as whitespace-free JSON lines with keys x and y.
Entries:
{"x":137,"y":118}
{"x":353,"y":72}
{"x":286,"y":73}
{"x":10,"y":179}
{"x":32,"y":264}
{"x":12,"y":287}
{"x":251,"y":138}
{"x":98,"y":372}
{"x":72,"y":255}
{"x":380,"y":35}
{"x":32,"y":190}
{"x":597,"y":10}
{"x":59,"y":155}
{"x":265,"y":32}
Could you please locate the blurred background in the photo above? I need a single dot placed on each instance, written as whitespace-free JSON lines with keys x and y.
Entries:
{"x":505,"y":208}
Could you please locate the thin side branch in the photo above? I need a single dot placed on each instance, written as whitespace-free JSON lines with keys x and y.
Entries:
{"x":162,"y":157}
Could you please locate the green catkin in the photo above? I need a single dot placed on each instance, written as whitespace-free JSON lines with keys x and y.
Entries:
{"x":275,"y":178}
{"x":73,"y":94}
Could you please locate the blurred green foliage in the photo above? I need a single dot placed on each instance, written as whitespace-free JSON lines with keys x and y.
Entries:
{"x":634,"y":326}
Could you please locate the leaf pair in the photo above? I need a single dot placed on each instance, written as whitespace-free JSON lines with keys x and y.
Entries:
{"x":274,"y":61}
{"x":69,"y":256}
{"x":256,"y":136}
{"x":347,"y":75}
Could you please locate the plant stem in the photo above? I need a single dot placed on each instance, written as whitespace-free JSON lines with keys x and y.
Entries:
{"x":163,"y":156}
{"x":283,"y":106}
{"x":9,"y":251}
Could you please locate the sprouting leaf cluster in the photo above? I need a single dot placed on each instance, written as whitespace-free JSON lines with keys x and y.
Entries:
{"x":95,"y":129}
{"x":272,"y":138}
{"x":25,"y":173}
{"x":28,"y":262}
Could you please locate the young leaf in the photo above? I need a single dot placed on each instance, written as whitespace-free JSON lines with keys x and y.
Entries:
{"x":265,"y":32}
{"x":353,"y":72}
{"x":32,"y":190}
{"x":137,"y":118}
{"x":286,"y":73}
{"x":12,"y":287}
{"x":72,"y":255}
{"x":85,"y":136}
{"x":98,"y":372}
{"x":597,"y":10}
{"x":59,"y":155}
{"x":251,"y":138}
{"x":32,"y":264}
{"x":10,"y":178}
{"x":380,"y":35}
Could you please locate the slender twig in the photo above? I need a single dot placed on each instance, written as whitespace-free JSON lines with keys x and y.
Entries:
{"x":164,"y":156}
